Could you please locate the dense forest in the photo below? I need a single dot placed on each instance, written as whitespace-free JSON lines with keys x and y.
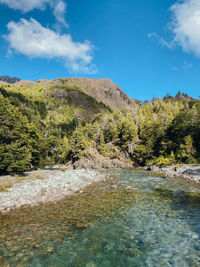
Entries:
{"x":48,"y":123}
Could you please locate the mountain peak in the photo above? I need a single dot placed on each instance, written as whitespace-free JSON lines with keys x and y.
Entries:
{"x":9,"y":79}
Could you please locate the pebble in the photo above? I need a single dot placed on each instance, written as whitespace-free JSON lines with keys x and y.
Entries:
{"x":195,"y":236}
{"x":128,"y":187}
{"x":49,"y":249}
{"x":57,"y":185}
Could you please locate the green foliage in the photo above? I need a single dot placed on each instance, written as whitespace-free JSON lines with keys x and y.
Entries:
{"x":169,"y":130}
{"x":162,"y":160}
{"x":126,"y":131}
{"x":15,"y":147}
{"x":78,"y":142}
{"x":119,"y":128}
{"x":140,"y":155}
{"x":102,"y":145}
{"x":65,"y":150}
{"x":187,"y":151}
{"x":49,"y":124}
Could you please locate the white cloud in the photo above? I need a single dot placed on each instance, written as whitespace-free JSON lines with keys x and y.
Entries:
{"x":185,"y":66}
{"x":163,"y":42}
{"x":58,"y":6}
{"x":59,"y":12}
{"x":25,"y":5}
{"x":30,"y":38}
{"x":185,"y":25}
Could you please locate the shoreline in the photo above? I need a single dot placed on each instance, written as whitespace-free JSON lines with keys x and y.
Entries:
{"x":52,"y":185}
{"x":186,"y":171}
{"x":49,"y":186}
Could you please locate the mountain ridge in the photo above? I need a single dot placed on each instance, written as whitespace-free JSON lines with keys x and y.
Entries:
{"x":103,"y":90}
{"x":8,"y":79}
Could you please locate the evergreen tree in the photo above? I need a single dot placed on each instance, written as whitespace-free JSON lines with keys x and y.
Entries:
{"x":15,"y":147}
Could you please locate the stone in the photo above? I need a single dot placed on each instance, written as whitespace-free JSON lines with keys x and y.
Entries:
{"x":195,"y":236}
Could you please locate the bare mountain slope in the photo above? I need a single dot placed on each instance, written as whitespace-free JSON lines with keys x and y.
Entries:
{"x":103,"y":90}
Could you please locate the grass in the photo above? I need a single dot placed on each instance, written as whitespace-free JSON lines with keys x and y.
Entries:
{"x":63,"y":169}
{"x":108,"y":93}
{"x":39,"y":177}
{"x":4,"y":186}
{"x":19,"y":178}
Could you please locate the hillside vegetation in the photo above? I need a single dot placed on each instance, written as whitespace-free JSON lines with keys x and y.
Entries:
{"x":66,"y":119}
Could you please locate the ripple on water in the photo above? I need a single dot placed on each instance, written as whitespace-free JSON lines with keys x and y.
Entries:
{"x":155,"y":222}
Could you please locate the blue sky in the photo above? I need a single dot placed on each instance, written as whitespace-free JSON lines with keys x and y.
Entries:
{"x":148,"y":47}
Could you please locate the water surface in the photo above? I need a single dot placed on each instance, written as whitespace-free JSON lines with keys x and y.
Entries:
{"x":132,"y":219}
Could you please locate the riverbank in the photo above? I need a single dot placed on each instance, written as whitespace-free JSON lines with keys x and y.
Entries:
{"x":191,"y":172}
{"x":43,"y":186}
{"x":46,"y":185}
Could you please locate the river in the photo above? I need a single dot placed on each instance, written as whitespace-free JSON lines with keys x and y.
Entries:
{"x":133,"y":218}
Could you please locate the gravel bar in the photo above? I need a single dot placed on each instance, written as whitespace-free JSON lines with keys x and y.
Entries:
{"x":46,"y":186}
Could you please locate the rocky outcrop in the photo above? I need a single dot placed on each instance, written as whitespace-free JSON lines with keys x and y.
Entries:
{"x":190,"y":172}
{"x":94,"y":160}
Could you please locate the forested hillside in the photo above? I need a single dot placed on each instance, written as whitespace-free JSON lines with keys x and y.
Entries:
{"x":65,"y":120}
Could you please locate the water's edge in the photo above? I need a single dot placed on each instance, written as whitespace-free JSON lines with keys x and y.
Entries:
{"x":52,"y":185}
{"x":187,"y":171}
{"x":43,"y":186}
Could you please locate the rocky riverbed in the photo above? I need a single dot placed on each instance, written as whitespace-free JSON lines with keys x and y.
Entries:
{"x":43,"y":186}
{"x":53,"y":185}
{"x":191,"y":172}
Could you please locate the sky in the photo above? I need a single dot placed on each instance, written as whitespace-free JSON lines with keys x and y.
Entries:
{"x":150,"y":48}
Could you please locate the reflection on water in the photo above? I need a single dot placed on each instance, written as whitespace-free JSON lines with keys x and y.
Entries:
{"x":132,"y":219}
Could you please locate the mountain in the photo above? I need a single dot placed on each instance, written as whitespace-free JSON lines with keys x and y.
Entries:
{"x":8,"y":79}
{"x":56,"y":121}
{"x":93,"y":123}
{"x":103,"y":90}
{"x":83,"y":97}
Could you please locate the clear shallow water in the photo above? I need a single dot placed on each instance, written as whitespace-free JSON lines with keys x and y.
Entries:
{"x":132,"y":219}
